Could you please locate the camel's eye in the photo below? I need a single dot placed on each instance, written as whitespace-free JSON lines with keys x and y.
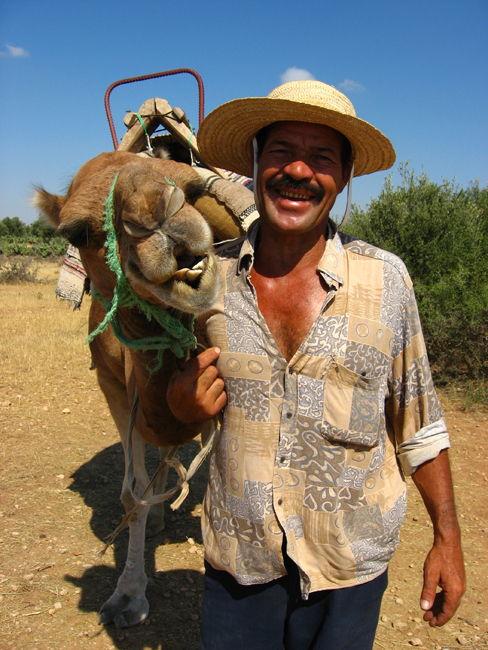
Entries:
{"x":134,"y":230}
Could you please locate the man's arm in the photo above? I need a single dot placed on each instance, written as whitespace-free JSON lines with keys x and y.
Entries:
{"x":444,"y":565}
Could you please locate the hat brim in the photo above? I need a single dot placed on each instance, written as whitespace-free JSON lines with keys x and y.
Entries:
{"x":226,"y":134}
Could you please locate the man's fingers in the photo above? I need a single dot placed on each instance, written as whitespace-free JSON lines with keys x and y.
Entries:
{"x":197,"y":366}
{"x":197,"y":374}
{"x":216,"y":397}
{"x":197,"y":393}
{"x":209,"y":379}
{"x":443,"y":608}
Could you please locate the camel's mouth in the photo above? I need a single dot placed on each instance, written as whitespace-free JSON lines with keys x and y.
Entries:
{"x":191,"y":268}
{"x":190,"y":285}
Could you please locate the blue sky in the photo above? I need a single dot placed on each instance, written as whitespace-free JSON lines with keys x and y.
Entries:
{"x":416,"y":70}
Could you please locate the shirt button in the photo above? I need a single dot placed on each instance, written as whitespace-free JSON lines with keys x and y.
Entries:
{"x":280,"y":501}
{"x":288,"y":415}
{"x":282,"y":460}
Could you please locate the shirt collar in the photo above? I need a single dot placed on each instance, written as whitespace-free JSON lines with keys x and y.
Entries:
{"x":331,"y":265}
{"x":246,"y":256}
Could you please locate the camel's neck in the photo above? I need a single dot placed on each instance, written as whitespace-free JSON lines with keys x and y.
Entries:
{"x":97,"y":270}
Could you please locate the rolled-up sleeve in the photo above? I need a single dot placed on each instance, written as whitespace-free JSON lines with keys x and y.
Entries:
{"x":425,"y":445}
{"x":413,"y":407}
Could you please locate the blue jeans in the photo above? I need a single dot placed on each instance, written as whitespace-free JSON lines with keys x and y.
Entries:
{"x":273,"y":616}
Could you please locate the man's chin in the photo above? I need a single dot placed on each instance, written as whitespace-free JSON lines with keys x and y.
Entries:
{"x":298,"y":224}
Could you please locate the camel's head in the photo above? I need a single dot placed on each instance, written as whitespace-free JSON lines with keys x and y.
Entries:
{"x":164,"y":245}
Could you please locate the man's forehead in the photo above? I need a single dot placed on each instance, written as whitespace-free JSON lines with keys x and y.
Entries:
{"x":292,"y":130}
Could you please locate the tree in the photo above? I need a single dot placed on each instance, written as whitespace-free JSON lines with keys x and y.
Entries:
{"x":441,"y":233}
{"x":12,"y":227}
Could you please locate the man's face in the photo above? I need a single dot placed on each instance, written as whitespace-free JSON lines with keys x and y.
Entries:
{"x":299,"y":176}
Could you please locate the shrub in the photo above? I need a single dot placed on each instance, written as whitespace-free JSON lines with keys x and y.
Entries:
{"x":441,"y":233}
{"x":17,"y":270}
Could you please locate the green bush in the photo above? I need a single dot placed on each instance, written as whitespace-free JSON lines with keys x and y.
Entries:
{"x":35,"y":239}
{"x":441,"y":233}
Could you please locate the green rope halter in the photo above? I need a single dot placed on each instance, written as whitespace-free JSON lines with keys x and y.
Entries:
{"x":178,"y":331}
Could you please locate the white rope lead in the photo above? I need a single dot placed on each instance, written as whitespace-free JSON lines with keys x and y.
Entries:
{"x":185,"y":475}
{"x":349,"y":199}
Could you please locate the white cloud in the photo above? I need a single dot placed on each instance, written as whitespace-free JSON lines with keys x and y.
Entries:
{"x":296,"y":74}
{"x":14,"y":51}
{"x":350,"y":86}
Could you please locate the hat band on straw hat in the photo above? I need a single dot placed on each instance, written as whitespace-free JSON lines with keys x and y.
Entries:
{"x":226,"y":134}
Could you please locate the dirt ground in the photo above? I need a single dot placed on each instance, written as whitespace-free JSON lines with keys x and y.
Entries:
{"x":60,"y":476}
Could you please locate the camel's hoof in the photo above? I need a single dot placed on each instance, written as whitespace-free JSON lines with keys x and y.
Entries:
{"x":123,"y":610}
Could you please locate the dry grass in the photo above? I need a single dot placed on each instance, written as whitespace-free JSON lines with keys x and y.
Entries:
{"x":38,"y":333}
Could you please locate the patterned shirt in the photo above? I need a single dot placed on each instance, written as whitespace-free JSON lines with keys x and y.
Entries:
{"x":308,"y":449}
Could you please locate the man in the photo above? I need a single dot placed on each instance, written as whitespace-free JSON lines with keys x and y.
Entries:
{"x":325,"y":387}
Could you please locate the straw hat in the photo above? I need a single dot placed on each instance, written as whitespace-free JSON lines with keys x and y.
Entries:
{"x":226,"y":134}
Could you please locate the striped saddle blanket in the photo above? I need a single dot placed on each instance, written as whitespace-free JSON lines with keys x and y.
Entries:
{"x":73,"y":281}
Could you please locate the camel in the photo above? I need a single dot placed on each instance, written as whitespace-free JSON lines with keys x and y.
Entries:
{"x":165,"y":250}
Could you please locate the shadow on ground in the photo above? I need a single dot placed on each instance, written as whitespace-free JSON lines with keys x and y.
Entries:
{"x":174,"y":594}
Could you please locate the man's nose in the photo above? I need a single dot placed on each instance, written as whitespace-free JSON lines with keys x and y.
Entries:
{"x":298,"y":169}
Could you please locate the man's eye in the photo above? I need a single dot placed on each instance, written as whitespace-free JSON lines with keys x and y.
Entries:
{"x":323,"y":157}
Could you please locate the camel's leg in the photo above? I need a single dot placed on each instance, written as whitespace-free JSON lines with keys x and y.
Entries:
{"x":128,"y":604}
{"x":155,"y":522}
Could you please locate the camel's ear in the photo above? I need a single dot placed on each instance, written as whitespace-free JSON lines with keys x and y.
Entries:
{"x":50,"y":205}
{"x":80,"y":229}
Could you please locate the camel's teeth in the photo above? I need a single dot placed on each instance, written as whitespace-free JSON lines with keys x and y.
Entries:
{"x":202,"y":265}
{"x":193,"y":274}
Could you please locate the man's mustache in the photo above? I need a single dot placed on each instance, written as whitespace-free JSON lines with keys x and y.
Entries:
{"x":290,"y":183}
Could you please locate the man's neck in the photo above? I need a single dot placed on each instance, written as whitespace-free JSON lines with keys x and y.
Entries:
{"x":289,"y":290}
{"x":277,"y":254}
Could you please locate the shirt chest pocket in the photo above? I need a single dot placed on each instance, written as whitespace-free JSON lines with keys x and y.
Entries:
{"x":235,"y":365}
{"x":353,"y":406}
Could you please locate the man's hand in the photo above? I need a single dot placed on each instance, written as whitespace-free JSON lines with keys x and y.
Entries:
{"x":197,"y":393}
{"x":444,"y":565}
